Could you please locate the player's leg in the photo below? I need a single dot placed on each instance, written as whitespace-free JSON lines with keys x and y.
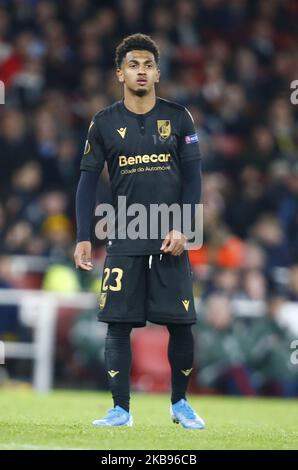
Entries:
{"x":118,"y":365}
{"x":180,"y":354}
{"x":170,"y":302}
{"x":118,"y":362}
{"x":121,"y":305}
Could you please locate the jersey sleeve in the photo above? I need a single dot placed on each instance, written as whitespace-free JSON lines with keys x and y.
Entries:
{"x":189,"y":142}
{"x":93,"y":158}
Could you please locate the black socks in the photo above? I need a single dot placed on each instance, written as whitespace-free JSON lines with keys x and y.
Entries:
{"x":118,"y":362}
{"x":180,"y":354}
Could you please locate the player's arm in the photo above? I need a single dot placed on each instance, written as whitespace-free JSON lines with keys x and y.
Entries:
{"x":174,"y":242}
{"x":91,"y":166}
{"x":85,"y":201}
{"x":191,"y":184}
{"x":190,"y":167}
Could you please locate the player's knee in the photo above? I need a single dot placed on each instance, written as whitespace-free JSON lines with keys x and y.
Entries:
{"x":118,"y":330}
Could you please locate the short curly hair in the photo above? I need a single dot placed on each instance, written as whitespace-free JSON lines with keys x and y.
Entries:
{"x":139,"y":42}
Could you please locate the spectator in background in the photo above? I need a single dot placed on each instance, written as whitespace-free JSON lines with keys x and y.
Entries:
{"x":270,"y":352}
{"x":269,"y":235}
{"x":262,"y":151}
{"x":225,"y":281}
{"x":245,"y":205}
{"x":288,"y":209}
{"x":17,"y":146}
{"x":293,"y":283}
{"x":222,"y":349}
{"x":10,"y":327}
{"x":250,"y":301}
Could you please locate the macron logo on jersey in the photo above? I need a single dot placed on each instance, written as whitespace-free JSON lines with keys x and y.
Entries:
{"x":191,"y":139}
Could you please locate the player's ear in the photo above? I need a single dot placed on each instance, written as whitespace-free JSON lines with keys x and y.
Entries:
{"x":157,"y":76}
{"x":120,"y":75}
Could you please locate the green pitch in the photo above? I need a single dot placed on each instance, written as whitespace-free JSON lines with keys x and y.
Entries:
{"x":61,"y":420}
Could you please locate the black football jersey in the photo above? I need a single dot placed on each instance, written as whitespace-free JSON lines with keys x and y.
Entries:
{"x":143,"y":154}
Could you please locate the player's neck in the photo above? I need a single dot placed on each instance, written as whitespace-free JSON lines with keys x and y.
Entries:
{"x":139,"y":104}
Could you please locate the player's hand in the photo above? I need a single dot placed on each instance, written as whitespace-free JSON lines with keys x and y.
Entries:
{"x":82,"y":256}
{"x":174,"y":243}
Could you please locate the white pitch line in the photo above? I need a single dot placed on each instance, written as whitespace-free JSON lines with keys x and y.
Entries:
{"x":8,"y":445}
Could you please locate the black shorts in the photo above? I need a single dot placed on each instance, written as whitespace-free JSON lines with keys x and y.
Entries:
{"x":155,"y":288}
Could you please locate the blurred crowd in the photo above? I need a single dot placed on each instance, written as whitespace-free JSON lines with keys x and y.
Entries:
{"x":231,"y":62}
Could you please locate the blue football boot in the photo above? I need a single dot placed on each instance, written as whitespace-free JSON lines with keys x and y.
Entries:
{"x":182,"y":413}
{"x":116,"y":417}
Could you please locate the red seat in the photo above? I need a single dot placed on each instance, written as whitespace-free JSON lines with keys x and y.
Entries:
{"x":150,"y":367}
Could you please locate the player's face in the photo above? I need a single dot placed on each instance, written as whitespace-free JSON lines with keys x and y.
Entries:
{"x":139,"y":72}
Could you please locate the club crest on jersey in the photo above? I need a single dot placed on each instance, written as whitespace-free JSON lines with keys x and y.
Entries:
{"x":164,"y":128}
{"x":102,"y":300}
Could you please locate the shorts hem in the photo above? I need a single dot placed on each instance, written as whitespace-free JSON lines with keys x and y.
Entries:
{"x":168,"y":321}
{"x":137,"y":322}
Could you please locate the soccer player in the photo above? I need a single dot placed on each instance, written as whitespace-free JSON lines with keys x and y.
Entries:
{"x":152,"y":153}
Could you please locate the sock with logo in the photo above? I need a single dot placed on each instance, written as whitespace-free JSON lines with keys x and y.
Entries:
{"x":180,"y":354}
{"x":118,"y":362}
